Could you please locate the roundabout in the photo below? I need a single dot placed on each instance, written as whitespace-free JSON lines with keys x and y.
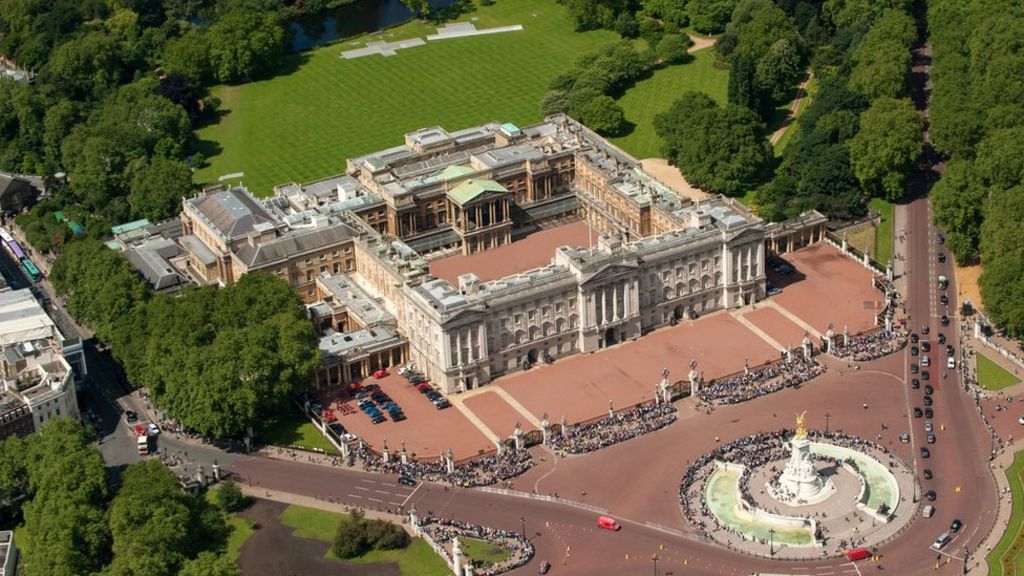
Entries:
{"x":798,"y":495}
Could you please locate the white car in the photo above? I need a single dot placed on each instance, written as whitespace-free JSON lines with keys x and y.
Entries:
{"x":926,"y":361}
{"x":950,"y":362}
{"x":153,"y":429}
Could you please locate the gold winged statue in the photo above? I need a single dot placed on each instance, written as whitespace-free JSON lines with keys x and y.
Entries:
{"x":801,"y":433}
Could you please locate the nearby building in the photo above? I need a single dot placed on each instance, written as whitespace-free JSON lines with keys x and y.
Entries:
{"x":37,"y":365}
{"x":356,"y":248}
{"x":18,"y":192}
{"x":8,"y":554}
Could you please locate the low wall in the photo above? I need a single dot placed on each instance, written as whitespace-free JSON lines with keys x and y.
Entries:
{"x":862,"y":496}
{"x":757,"y":514}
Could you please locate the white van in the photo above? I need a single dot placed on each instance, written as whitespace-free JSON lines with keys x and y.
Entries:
{"x":941,"y":541}
{"x":928,"y":511}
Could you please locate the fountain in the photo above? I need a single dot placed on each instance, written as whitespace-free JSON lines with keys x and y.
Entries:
{"x":800,"y":483}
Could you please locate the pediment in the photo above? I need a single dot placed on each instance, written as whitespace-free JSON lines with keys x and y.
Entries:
{"x":609,"y":271}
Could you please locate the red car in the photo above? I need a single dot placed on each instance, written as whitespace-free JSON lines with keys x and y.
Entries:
{"x":380,"y":374}
{"x":354,"y":387}
{"x":329,"y":416}
{"x":856,"y":554}
{"x":140,"y":430}
{"x":423,"y":386}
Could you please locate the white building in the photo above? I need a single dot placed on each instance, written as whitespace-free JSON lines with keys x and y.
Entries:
{"x":35,"y":360}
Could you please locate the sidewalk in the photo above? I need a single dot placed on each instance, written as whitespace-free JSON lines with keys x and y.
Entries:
{"x":978,"y":565}
{"x":318,"y":504}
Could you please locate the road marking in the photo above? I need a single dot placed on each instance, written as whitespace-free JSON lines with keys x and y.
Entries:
{"x":375,"y":500}
{"x":354,"y":496}
{"x":368,"y":481}
{"x":362,"y":488}
{"x":854,"y":564}
{"x":395,"y":503}
{"x":407,"y":498}
{"x":382,"y":492}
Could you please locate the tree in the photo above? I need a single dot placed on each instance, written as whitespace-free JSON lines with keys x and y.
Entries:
{"x":719,"y":149}
{"x":242,"y":44}
{"x":554,"y":101}
{"x":149,"y":520}
{"x":710,"y":16}
{"x":210,"y":564}
{"x":849,"y":13}
{"x":181,"y":90}
{"x":88,"y":67}
{"x":64,"y":516}
{"x":13,"y":480}
{"x":884,"y":150}
{"x":880,"y":69}
{"x":189,"y":56}
{"x":230,"y":497}
{"x":743,"y":90}
{"x":604,"y":116}
{"x":418,"y":7}
{"x":1002,"y":247}
{"x":958,"y":200}
{"x":778,"y":71}
{"x":158,"y":187}
{"x":672,"y":49}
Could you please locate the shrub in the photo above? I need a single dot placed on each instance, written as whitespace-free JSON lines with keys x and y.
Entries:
{"x":230,"y":497}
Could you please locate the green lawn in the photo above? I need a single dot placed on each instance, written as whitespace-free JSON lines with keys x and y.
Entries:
{"x":992,"y":376}
{"x":417,"y":559}
{"x":294,"y":430}
{"x":656,"y":94}
{"x":483,"y":551}
{"x":883,"y":232}
{"x":1008,"y":555}
{"x":241,"y":530}
{"x":321,"y":109}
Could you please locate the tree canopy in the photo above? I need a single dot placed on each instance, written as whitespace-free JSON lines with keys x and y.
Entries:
{"x":886,"y":147}
{"x":720,"y":149}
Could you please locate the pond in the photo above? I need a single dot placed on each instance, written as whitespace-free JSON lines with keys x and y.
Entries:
{"x":359,"y":17}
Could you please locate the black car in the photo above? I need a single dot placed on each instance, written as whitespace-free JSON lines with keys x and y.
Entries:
{"x":944,"y":320}
{"x":913,"y":368}
{"x":927,"y":473}
{"x":913,"y":351}
{"x":949,"y":350}
{"x":442,"y":404}
{"x":925,"y":375}
{"x":918,"y":412}
{"x":130,"y":417}
{"x":925,"y":453}
{"x":925,"y":329}
{"x":930,"y":495}
{"x":941,"y":238}
{"x":914,"y":338}
{"x":942,"y":257}
{"x":928,"y":389}
{"x":915,"y":383}
{"x":943,"y":300}
{"x":931,"y":438}
{"x":406,"y":481}
{"x":956,"y":525}
{"x":927,"y":400}
{"x":929,"y":413}
{"x":941,"y":338}
{"x":926,"y":347}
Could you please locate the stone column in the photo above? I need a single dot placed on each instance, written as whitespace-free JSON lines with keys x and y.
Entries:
{"x":457,"y":556}
{"x":216,"y":471}
{"x":518,"y":435}
{"x":414,"y":521}
{"x":450,"y":462}
{"x":867,"y":262}
{"x":845,"y":247}
{"x":808,"y":347}
{"x":888,"y":324}
{"x":501,"y":445}
{"x":694,"y":387}
{"x":565,"y":426}
{"x":830,"y":339}
{"x":545,"y":426}
{"x":977,"y":329}
{"x":385,"y":454}
{"x":404,"y":454}
{"x":201,"y":476}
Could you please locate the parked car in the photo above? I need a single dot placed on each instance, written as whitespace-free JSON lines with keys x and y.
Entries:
{"x":925,"y":453}
{"x":928,"y":389}
{"x":944,"y":320}
{"x":914,"y":338}
{"x":424,"y":387}
{"x":153,"y":429}
{"x":930,"y":495}
{"x":941,"y":238}
{"x":915,"y":383}
{"x":905,"y":438}
{"x":941,"y":338}
{"x":942,"y":257}
{"x":929,"y":413}
{"x":927,"y":473}
{"x":130,"y":417}
{"x":931,"y":438}
{"x":925,"y":375}
{"x":944,"y":300}
{"x":951,"y":363}
{"x":925,"y":329}
{"x":950,"y":350}
{"x":927,"y":425}
{"x":545,"y":567}
{"x":914,"y":369}
{"x":928,"y":401}
{"x":913,"y":351}
{"x":926,"y":347}
{"x":774,"y":290}
{"x":917,"y":412}
{"x":442,"y":404}
{"x":956,"y":525}
{"x":926,"y":361}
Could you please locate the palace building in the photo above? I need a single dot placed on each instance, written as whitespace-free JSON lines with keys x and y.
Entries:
{"x":476,"y":252}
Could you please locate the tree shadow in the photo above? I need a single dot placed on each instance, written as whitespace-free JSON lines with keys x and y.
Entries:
{"x":208,"y":148}
{"x":451,"y":12}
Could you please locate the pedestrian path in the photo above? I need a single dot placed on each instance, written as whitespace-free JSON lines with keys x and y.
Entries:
{"x":760,"y":333}
{"x":458,"y":403}
{"x":518,"y":407}
{"x":796,"y":319}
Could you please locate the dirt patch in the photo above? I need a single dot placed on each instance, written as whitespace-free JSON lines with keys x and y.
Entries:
{"x":671,"y":177}
{"x":967,"y":285}
{"x":273,"y":550}
{"x":700,"y":42}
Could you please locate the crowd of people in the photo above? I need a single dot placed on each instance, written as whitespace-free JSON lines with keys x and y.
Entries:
{"x":620,"y":427}
{"x":871,"y":346}
{"x":758,"y":382}
{"x":444,"y":531}
{"x":483,"y":471}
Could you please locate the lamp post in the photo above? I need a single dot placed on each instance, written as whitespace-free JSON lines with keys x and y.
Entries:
{"x":828,"y":420}
{"x":654,"y":559}
{"x":522,"y":526}
{"x":771,"y":542}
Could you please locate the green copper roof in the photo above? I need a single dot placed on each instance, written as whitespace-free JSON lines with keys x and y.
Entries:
{"x":452,"y":172}
{"x":470,"y":189}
